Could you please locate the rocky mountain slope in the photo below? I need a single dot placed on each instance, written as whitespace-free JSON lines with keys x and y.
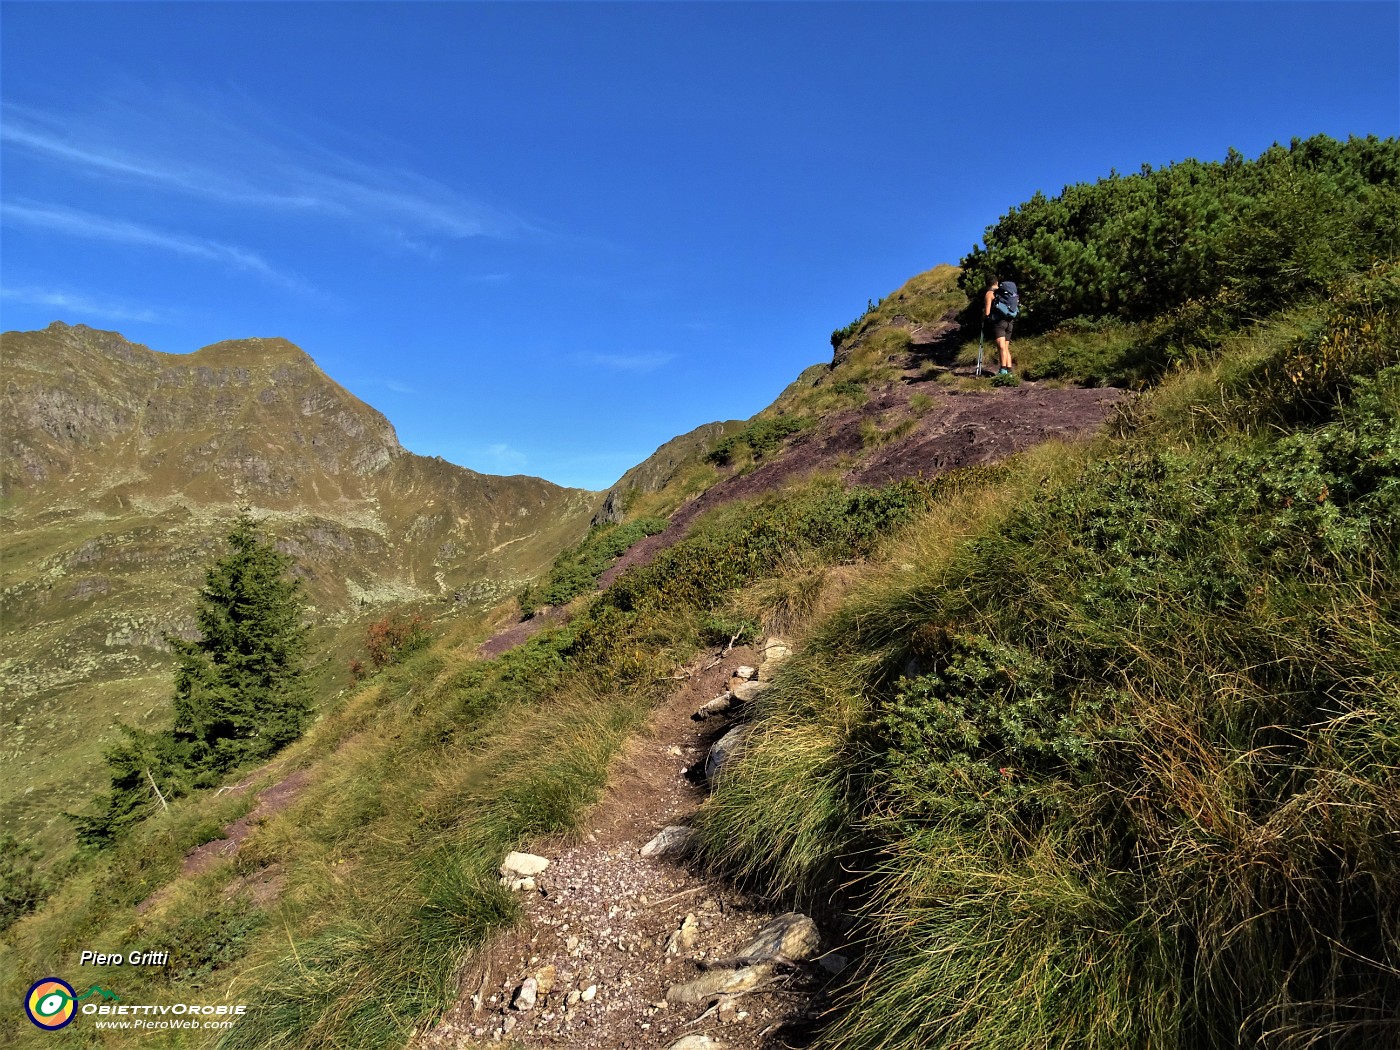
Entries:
{"x":123,"y":468}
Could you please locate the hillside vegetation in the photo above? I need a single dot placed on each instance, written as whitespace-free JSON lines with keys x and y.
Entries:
{"x":1119,"y":759}
{"x":1115,"y":759}
{"x":123,"y":470}
{"x":1095,"y":747}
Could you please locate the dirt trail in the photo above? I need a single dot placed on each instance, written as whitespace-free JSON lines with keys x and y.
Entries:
{"x":602,"y":916}
{"x":608,"y":931}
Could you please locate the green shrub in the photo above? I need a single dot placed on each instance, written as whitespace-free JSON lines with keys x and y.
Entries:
{"x":721,"y":629}
{"x":761,"y":437}
{"x":576,"y":570}
{"x":1359,"y":335}
{"x":1136,"y":784}
{"x":1272,"y":231}
{"x":842,"y":334}
{"x":986,"y":730}
{"x":203,"y":941}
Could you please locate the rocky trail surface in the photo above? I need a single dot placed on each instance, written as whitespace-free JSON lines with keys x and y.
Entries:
{"x":626,"y":944}
{"x":627,"y":947}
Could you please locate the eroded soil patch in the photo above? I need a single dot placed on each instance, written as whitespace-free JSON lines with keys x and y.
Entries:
{"x":608,"y":931}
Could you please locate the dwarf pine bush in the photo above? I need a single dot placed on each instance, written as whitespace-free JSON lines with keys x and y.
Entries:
{"x":1275,"y":230}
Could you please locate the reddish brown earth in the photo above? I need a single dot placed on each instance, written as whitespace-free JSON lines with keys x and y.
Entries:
{"x":956,"y":429}
{"x":602,"y":916}
{"x":264,"y":885}
{"x":517,"y":633}
{"x":272,"y":800}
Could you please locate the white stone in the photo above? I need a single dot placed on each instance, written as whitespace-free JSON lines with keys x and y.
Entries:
{"x":715,"y":983}
{"x":696,"y":1042}
{"x":525,"y":997}
{"x":775,"y":649}
{"x":522,"y":865}
{"x":774,"y":653}
{"x":588,"y":993}
{"x":718,"y":706}
{"x":746,"y":672}
{"x":749,"y":690}
{"x":670,"y":841}
{"x":683,"y":938}
{"x":791,"y":936}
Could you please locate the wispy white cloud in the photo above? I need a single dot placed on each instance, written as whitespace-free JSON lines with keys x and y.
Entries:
{"x":79,"y":306}
{"x":75,"y":223}
{"x":398,"y":388}
{"x":204,"y":151}
{"x":647,"y":362}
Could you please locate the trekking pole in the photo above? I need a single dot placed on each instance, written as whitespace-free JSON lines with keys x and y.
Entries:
{"x":980,"y":333}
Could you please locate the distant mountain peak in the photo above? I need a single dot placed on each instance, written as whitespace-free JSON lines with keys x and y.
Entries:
{"x":88,"y":410}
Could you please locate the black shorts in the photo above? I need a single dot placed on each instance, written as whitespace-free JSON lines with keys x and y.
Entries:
{"x":1001,"y":326}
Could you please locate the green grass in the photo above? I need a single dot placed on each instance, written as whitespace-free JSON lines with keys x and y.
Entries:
{"x":923,"y":299}
{"x":1110,"y":759}
{"x":576,"y":570}
{"x":497,"y":754}
{"x":761,"y":438}
{"x":877,"y":432}
{"x":422,"y":780}
{"x":1100,"y":745}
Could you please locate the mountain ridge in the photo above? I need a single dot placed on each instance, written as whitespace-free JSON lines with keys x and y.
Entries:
{"x":124,"y":467}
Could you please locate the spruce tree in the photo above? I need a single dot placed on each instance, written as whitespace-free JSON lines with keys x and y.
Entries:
{"x":240,"y":688}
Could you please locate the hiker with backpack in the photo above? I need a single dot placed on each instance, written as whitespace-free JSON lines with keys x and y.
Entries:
{"x":1001,"y":306}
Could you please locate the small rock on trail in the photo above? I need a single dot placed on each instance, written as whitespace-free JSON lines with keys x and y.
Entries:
{"x":624,"y":947}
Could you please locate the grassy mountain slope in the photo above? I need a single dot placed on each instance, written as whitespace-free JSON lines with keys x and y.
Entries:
{"x":1096,"y":746}
{"x":474,"y":755}
{"x":1116,"y":753}
{"x":123,"y":470}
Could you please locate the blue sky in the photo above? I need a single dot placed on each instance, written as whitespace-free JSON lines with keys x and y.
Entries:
{"x":545,"y":238}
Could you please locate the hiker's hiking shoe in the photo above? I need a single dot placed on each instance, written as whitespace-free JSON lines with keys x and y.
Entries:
{"x":1004,"y":372}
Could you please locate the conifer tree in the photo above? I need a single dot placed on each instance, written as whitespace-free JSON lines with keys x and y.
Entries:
{"x":240,"y":689}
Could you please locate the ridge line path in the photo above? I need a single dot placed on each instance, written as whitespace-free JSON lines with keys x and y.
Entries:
{"x":609,"y":933}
